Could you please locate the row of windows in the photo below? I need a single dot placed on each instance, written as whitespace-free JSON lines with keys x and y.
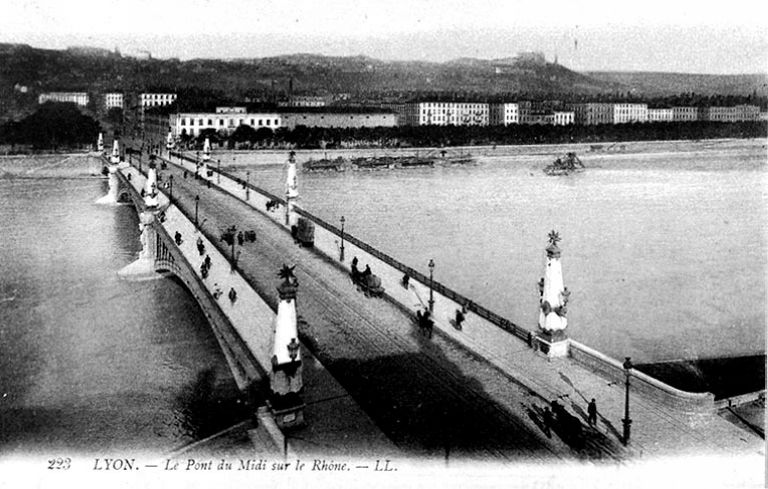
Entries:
{"x":201,"y":122}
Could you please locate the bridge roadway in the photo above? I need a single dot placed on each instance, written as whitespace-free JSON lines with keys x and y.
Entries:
{"x":426,"y":395}
{"x":429,"y":394}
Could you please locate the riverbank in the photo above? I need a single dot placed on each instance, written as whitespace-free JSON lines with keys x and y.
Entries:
{"x":241,"y":158}
{"x":724,"y":377}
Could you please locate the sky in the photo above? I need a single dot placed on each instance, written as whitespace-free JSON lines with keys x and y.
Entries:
{"x":650,"y":35}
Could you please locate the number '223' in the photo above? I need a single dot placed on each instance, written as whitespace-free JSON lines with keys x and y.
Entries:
{"x":59,"y":463}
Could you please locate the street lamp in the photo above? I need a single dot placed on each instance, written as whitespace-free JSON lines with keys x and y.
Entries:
{"x":218,"y":172}
{"x":341,"y":252}
{"x":626,"y":421}
{"x":230,"y":237}
{"x":170,"y":194}
{"x":247,"y":185}
{"x":197,"y":200}
{"x":431,"y":266}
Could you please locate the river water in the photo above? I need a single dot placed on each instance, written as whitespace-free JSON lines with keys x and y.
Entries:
{"x":87,"y":361}
{"x":664,"y":252}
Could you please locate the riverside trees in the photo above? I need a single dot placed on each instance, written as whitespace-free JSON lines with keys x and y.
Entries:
{"x":54,"y":125}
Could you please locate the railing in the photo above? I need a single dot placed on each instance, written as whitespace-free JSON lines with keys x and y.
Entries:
{"x":439,"y":288}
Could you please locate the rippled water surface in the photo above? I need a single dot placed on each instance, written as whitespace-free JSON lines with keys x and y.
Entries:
{"x":88,"y":362}
{"x":665,"y":253}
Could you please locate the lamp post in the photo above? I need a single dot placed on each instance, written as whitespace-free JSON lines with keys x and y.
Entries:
{"x":341,"y":251}
{"x":197,"y":200}
{"x":218,"y":172}
{"x":431,"y":266}
{"x":626,"y":421}
{"x":247,"y":185}
{"x":170,"y":193}
{"x":230,"y":237}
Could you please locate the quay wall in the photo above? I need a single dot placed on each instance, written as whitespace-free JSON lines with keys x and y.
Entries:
{"x":483,"y":332}
{"x":612,"y":369}
{"x":243,"y":328}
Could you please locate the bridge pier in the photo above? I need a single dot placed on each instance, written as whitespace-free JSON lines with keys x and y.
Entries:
{"x":144,"y":267}
{"x":113,"y":182}
{"x":114,"y":186}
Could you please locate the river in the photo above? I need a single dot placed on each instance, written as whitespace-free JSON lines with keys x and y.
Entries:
{"x":664,"y":251}
{"x":87,"y":361}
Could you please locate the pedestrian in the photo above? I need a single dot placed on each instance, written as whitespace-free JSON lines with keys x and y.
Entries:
{"x":592,"y":412}
{"x":460,"y":316}
{"x":547,"y":418}
{"x":240,"y":238}
{"x":232,"y":295}
{"x":207,"y":261}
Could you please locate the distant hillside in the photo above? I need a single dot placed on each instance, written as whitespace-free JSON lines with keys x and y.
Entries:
{"x":358,"y":76}
{"x":26,"y":71}
{"x":655,"y":84}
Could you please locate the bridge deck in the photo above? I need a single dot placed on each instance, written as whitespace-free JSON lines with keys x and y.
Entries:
{"x":426,"y":394}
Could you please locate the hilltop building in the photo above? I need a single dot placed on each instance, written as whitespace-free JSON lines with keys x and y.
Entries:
{"x":114,"y":99}
{"x":147,"y":100}
{"x":304,"y":101}
{"x":79,"y":98}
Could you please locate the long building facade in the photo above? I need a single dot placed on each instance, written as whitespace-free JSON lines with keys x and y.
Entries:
{"x":445,"y":114}
{"x":504,"y":114}
{"x":624,"y":113}
{"x":331,"y":118}
{"x":192,"y":124}
{"x":661,"y":115}
{"x":591,"y":114}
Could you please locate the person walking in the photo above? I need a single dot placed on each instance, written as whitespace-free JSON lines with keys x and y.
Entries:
{"x":547,"y":419}
{"x":592,"y":412}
